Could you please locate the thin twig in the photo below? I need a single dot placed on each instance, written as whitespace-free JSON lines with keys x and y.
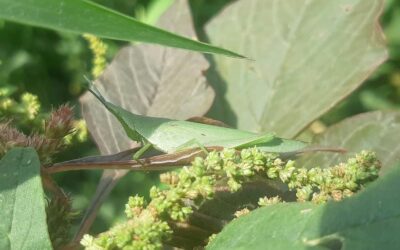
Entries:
{"x":154,"y":163}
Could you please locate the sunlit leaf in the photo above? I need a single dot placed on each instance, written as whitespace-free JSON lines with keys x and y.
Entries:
{"x":308,"y":55}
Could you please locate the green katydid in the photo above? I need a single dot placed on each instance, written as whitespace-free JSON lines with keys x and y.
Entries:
{"x":179,"y":139}
{"x":170,"y":136}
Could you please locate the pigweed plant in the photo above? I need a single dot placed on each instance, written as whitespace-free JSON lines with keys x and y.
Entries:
{"x":151,"y":224}
{"x":239,"y":164}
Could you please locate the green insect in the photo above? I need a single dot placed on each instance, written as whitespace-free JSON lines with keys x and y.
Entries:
{"x":170,"y":136}
{"x":181,"y":141}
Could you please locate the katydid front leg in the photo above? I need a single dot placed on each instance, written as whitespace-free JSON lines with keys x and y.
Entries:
{"x":142,"y":150}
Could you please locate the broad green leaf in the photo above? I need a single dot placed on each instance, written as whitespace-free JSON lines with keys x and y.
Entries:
{"x":376,"y":131}
{"x":308,"y":55}
{"x":22,"y":203}
{"x":368,"y":220}
{"x":83,"y":16}
{"x":150,"y":80}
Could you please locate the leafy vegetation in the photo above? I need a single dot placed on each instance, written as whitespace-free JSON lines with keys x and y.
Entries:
{"x":233,"y":182}
{"x":20,"y":186}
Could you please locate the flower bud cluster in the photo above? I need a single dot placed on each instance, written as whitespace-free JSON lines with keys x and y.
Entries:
{"x":26,"y":109}
{"x":57,"y":126}
{"x":79,"y":133}
{"x":59,"y":123}
{"x":337,"y":182}
{"x":30,"y":104}
{"x":99,"y":49}
{"x":148,"y":224}
{"x":265,"y":201}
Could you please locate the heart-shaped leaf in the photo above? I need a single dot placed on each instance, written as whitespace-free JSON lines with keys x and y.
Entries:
{"x":308,"y":55}
{"x":376,"y":131}
{"x":22,"y":202}
{"x":369,"y":220}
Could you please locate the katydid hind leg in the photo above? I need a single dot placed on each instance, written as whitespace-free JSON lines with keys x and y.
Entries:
{"x":313,"y":149}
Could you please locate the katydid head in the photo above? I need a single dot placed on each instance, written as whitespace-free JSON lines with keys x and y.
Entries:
{"x":92,"y":89}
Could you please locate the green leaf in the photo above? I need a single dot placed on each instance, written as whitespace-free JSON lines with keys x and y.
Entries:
{"x":83,"y":16}
{"x":309,"y":55}
{"x":376,"y":131}
{"x":22,"y":203}
{"x":368,"y":220}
